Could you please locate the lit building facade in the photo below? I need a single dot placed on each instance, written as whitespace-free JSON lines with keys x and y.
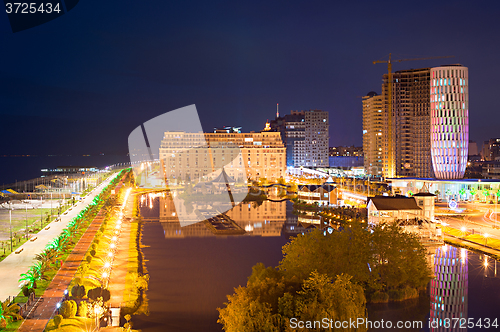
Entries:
{"x":411,"y":122}
{"x":192,"y":156}
{"x":411,"y":109}
{"x":316,"y":141}
{"x":430,"y":127}
{"x":449,"y":121}
{"x":491,"y":149}
{"x":472,"y":190}
{"x":374,"y":135}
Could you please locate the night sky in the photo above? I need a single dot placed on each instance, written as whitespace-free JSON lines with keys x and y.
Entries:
{"x":82,"y":82}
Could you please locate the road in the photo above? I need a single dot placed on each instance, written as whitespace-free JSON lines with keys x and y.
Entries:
{"x":15,"y":264}
{"x":479,"y":219}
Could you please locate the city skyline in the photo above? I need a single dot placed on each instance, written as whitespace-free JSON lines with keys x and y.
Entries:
{"x":104,"y":74}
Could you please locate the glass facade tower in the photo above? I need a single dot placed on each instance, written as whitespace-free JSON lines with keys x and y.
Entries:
{"x":449,"y":93}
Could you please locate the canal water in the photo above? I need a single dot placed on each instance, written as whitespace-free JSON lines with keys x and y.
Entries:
{"x":191,"y":272}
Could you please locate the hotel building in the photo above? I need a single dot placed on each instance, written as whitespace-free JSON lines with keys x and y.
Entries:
{"x":193,"y":156}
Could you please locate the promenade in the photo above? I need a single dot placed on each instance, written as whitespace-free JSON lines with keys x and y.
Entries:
{"x":15,"y":264}
{"x":55,"y":291}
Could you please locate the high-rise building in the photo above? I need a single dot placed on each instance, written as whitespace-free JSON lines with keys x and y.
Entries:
{"x":449,"y":121}
{"x":411,"y":122}
{"x":430,"y":129}
{"x":491,"y":149}
{"x":292,"y":128}
{"x":305,"y":135}
{"x":375,"y":134}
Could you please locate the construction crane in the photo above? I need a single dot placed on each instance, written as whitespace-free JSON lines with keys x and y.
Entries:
{"x":391,"y":169}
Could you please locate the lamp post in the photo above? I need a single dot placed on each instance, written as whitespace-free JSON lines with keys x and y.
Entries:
{"x":486,"y":239}
{"x":26,"y":230}
{"x":41,"y":211}
{"x":10,"y":220}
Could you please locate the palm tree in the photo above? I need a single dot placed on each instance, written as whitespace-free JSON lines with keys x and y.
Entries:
{"x":30,"y":278}
{"x":44,"y":259}
{"x":10,"y":310}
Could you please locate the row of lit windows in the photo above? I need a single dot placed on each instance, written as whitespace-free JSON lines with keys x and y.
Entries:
{"x":448,"y":104}
{"x":449,"y":82}
{"x":448,"y":97}
{"x":448,"y":73}
{"x":449,"y":113}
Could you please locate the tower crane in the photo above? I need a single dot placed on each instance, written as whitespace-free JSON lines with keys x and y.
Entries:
{"x":391,"y":171}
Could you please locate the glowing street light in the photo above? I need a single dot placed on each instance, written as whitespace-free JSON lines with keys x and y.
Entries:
{"x":486,"y":238}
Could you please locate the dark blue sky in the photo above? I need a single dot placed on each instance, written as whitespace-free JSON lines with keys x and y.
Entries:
{"x":81,"y":83}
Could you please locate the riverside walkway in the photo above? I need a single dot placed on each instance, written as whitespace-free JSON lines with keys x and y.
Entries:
{"x":61,"y":281}
{"x":55,"y":291}
{"x":15,"y":264}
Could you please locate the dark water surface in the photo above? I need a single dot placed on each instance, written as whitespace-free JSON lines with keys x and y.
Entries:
{"x":192,"y":271}
{"x":190,"y":277}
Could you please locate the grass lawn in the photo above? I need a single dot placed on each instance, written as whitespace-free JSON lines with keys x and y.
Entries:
{"x":13,"y":326}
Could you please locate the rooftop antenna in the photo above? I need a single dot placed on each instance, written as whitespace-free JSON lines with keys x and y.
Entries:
{"x":277,"y":110}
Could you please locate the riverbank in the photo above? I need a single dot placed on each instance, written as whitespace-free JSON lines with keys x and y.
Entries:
{"x":472,"y":246}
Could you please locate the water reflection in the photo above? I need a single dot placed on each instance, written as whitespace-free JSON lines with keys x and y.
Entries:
{"x":449,"y":290}
{"x":465,"y":285}
{"x":252,"y":218}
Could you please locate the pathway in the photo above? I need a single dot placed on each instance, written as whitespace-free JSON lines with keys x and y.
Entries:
{"x":55,"y":292}
{"x":120,"y":264}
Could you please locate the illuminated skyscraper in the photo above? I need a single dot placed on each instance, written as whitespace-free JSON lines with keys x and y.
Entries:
{"x":411,"y":122}
{"x":374,"y":135}
{"x":430,"y":112}
{"x":449,"y":120}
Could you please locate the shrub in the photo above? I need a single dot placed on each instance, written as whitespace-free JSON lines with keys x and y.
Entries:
{"x":95,"y":293}
{"x":82,"y":309}
{"x":88,"y":259}
{"x":379,"y":297}
{"x":402,"y":294}
{"x":396,"y":294}
{"x":58,"y":320}
{"x":68,"y":309}
{"x":94,"y":246}
{"x":78,"y":291}
{"x":92,"y":252}
{"x":27,"y":291}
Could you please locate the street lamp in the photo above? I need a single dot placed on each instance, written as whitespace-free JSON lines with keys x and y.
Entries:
{"x":486,"y":238}
{"x":26,"y":230}
{"x":10,"y":219}
{"x":41,"y":211}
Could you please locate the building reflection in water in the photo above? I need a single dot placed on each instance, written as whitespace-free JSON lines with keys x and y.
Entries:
{"x":449,"y":289}
{"x":265,"y":219}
